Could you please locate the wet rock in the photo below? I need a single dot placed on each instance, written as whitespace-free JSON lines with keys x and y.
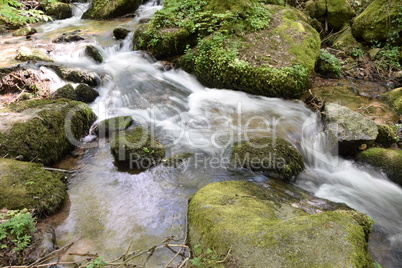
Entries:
{"x":274,"y":157}
{"x":28,"y":185}
{"x":337,"y":13}
{"x":43,"y":130}
{"x":267,"y":227}
{"x":136,"y":149}
{"x":103,"y":9}
{"x":107,"y":127}
{"x":388,"y":160}
{"x":394,"y":98}
{"x":86,"y":93}
{"x":93,"y":53}
{"x":59,"y":10}
{"x":349,"y":129}
{"x":25,"y":54}
{"x":66,"y":92}
{"x":75,"y":75}
{"x":120,"y":33}
{"x":24,"y":31}
{"x":377,"y":22}
{"x":69,"y":37}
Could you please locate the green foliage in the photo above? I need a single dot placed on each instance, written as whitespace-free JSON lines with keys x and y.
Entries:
{"x":328,"y":64}
{"x":17,"y":229}
{"x":96,"y":263}
{"x":356,"y":52}
{"x":376,"y":265}
{"x":388,"y":58}
{"x":205,"y":259}
{"x":14,"y":12}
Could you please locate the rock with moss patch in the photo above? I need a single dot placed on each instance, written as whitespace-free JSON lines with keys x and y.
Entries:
{"x":59,"y":10}
{"x":276,"y":61}
{"x":136,"y":149}
{"x":120,"y":33}
{"x":272,"y":156}
{"x":24,"y":31}
{"x":25,"y":54}
{"x":378,"y":22}
{"x":345,"y":41}
{"x":93,"y":53}
{"x":86,"y":93}
{"x":265,"y":227}
{"x":67,"y":92}
{"x":388,"y":160}
{"x":328,"y":65}
{"x":387,"y":135}
{"x":107,"y":127}
{"x":337,"y":13}
{"x":75,"y":75}
{"x":105,"y":9}
{"x":43,"y":130}
{"x":394,"y":98}
{"x":28,"y":185}
{"x":350,"y":130}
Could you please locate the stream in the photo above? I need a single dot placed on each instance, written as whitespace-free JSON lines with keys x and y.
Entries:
{"x":110,"y":209}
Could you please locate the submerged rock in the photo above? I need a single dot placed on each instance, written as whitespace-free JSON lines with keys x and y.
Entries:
{"x":104,"y":9}
{"x":107,"y":127}
{"x":388,"y":160}
{"x":25,"y":54}
{"x":28,"y":185}
{"x":43,"y":130}
{"x":75,"y":75}
{"x":267,"y":227}
{"x":378,"y":22}
{"x":274,"y":157}
{"x":136,"y":149}
{"x":348,"y":128}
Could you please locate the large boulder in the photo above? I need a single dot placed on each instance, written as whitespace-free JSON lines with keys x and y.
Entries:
{"x":348,"y":129}
{"x":394,"y":98}
{"x":388,"y":160}
{"x":26,"y":54}
{"x":106,"y":9}
{"x":337,"y":13}
{"x":107,"y":127}
{"x":275,"y":61}
{"x":274,"y":157}
{"x":135,"y":148}
{"x":59,"y":10}
{"x":43,"y":130}
{"x":379,"y":22}
{"x":28,"y":185}
{"x":272,"y":227}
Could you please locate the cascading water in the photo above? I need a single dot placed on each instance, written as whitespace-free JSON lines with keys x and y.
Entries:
{"x":112,"y":209}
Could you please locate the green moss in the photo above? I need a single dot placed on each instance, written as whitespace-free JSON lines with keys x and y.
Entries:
{"x":93,"y":53}
{"x":86,"y":93}
{"x":106,"y":127}
{"x":52,"y":130}
{"x":394,"y":98}
{"x":136,"y":148}
{"x":346,"y":42}
{"x":264,"y":233}
{"x":66,"y":91}
{"x":27,"y":185}
{"x":387,"y":135}
{"x":104,"y":9}
{"x":328,"y":65}
{"x":388,"y":160}
{"x":59,"y":10}
{"x":273,"y":156}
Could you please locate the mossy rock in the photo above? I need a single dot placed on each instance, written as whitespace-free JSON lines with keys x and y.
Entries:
{"x":43,"y":130}
{"x":349,"y":129}
{"x":75,"y":75}
{"x":279,"y":67}
{"x":163,"y":43}
{"x":86,"y":93}
{"x":394,"y":98}
{"x":93,"y":53}
{"x":388,"y":160}
{"x":67,"y":92}
{"x":262,"y":227}
{"x":24,"y":31}
{"x":378,"y":22}
{"x":328,"y":65}
{"x":346,"y":41}
{"x":272,"y":156}
{"x":105,"y":9}
{"x":387,"y":135}
{"x":120,"y":33}
{"x":26,"y":54}
{"x":136,"y":149}
{"x":59,"y":10}
{"x":28,"y":185}
{"x":107,"y":127}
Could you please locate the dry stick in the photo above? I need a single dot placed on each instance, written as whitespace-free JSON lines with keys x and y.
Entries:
{"x":41,"y":265}
{"x":50,"y":255}
{"x":58,"y":169}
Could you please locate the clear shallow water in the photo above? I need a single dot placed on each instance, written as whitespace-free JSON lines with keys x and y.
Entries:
{"x":111,"y":209}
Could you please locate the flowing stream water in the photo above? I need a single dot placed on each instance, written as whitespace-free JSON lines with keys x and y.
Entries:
{"x":112,"y":209}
